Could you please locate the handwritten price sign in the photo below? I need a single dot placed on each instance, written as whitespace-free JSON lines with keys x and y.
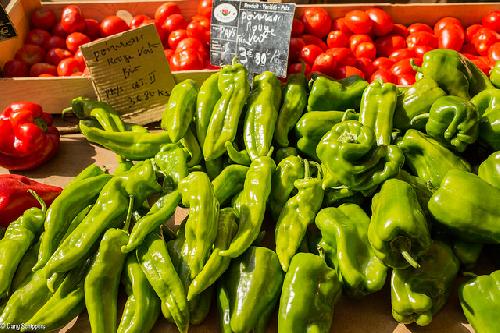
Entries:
{"x":7,"y":30}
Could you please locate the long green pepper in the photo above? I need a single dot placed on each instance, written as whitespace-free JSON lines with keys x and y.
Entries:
{"x":229,"y":182}
{"x":207,"y":98}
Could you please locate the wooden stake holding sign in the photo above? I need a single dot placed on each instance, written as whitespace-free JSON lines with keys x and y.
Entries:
{"x":7,"y":30}
{"x":257,"y":33}
{"x":131,"y":73}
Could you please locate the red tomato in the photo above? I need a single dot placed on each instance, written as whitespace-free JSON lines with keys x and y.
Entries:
{"x":195,"y":29}
{"x":75,"y":40}
{"x":164,"y":11}
{"x":366,"y":65}
{"x":54,"y":56}
{"x":366,"y":50}
{"x":412,"y":28}
{"x":383,"y":63}
{"x":311,"y":39}
{"x":56,"y":42}
{"x":296,"y":45}
{"x":483,"y":39}
{"x":174,"y":22}
{"x":68,"y":66}
{"x":79,"y":57}
{"x":471,"y":31}
{"x":421,"y":50}
{"x":406,"y":79}
{"x":325,"y":64}
{"x":30,"y":54}
{"x":92,"y":29}
{"x":310,"y":52}
{"x":37,"y":37}
{"x":494,"y":52}
{"x":113,"y":25}
{"x":72,"y":19}
{"x":358,"y":22}
{"x":468,"y":48}
{"x":342,"y":56}
{"x":383,"y":75}
{"x":188,"y":59}
{"x":388,"y":44}
{"x":43,"y":68}
{"x":43,"y":18}
{"x":421,"y":38}
{"x":205,"y":8}
{"x":59,"y":31}
{"x":451,"y":37}
{"x":139,"y":21}
{"x":297,"y":28}
{"x":399,"y":29}
{"x":298,"y":67}
{"x":492,"y":21}
{"x":340,"y":24}
{"x":382,"y":22}
{"x":402,"y":54}
{"x":445,"y":21}
{"x":346,"y":71}
{"x":15,"y":68}
{"x":337,"y":38}
{"x":482,"y":63}
{"x":169,"y":53}
{"x":402,"y":67}
{"x":317,"y":22}
{"x":355,"y":40}
{"x":175,"y":37}
{"x":192,"y":43}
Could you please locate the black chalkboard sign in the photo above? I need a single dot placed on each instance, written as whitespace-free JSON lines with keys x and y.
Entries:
{"x":258,"y":33}
{"x":7,"y":30}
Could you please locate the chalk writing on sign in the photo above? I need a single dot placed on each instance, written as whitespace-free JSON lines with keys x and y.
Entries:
{"x":7,"y":30}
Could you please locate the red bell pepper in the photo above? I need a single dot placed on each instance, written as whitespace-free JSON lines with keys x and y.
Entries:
{"x":15,"y":197}
{"x":27,"y":137}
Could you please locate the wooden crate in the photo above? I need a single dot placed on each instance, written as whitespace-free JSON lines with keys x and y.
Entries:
{"x":56,"y":93}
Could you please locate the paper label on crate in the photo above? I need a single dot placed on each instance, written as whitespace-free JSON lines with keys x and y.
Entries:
{"x":130,"y":71}
{"x":257,"y":33}
{"x":7,"y":30}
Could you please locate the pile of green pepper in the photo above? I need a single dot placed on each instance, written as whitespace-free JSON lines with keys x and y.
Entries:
{"x":357,"y":182}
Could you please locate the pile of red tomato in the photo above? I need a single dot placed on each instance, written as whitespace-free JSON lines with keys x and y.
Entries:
{"x":368,"y":43}
{"x":52,"y":46}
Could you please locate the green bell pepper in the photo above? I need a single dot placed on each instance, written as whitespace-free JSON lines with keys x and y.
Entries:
{"x":327,"y":94}
{"x":495,"y":75}
{"x":467,"y":253}
{"x":489,"y":170}
{"x":487,"y":103}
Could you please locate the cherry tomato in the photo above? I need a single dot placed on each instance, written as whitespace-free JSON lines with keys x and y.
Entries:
{"x":382,"y":22}
{"x":483,"y":64}
{"x":358,"y":22}
{"x":337,"y":38}
{"x":75,"y":40}
{"x":468,"y":48}
{"x":72,"y":19}
{"x":79,"y":57}
{"x":346,"y":71}
{"x":296,"y":45}
{"x":310,"y":52}
{"x":421,"y":50}
{"x":483,"y":39}
{"x":445,"y":21}
{"x":298,"y":67}
{"x":169,"y":53}
{"x":412,"y":28}
{"x":492,"y":21}
{"x":43,"y":18}
{"x":340,"y":24}
{"x":383,"y":63}
{"x":342,"y":56}
{"x":192,"y":43}
{"x":388,"y":44}
{"x":188,"y":59}
{"x":402,"y":54}
{"x":401,"y":30}
{"x":164,"y":11}
{"x":297,"y":28}
{"x":15,"y":68}
{"x":113,"y":25}
{"x":54,"y":56}
{"x":37,"y":37}
{"x":471,"y":31}
{"x":366,"y":65}
{"x":174,"y":22}
{"x":325,"y":64}
{"x":68,"y":66}
{"x":317,"y":22}
{"x":205,"y":22}
{"x":402,"y":67}
{"x":421,"y":38}
{"x":406,"y":79}
{"x":451,"y":37}
{"x":355,"y":40}
{"x":205,"y":8}
{"x":383,"y":75}
{"x":311,"y":39}
{"x":92,"y":29}
{"x":42,"y":68}
{"x":55,"y":42}
{"x":175,"y":37}
{"x":494,"y":52}
{"x":59,"y":31}
{"x":30,"y":54}
{"x":139,"y":21}
{"x":195,"y":29}
{"x":366,"y":50}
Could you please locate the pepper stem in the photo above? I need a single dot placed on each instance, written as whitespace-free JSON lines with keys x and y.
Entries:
{"x":129,"y":213}
{"x":69,"y":109}
{"x":307,"y":171}
{"x":39,"y":199}
{"x":410,"y":259}
{"x":414,"y":65}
